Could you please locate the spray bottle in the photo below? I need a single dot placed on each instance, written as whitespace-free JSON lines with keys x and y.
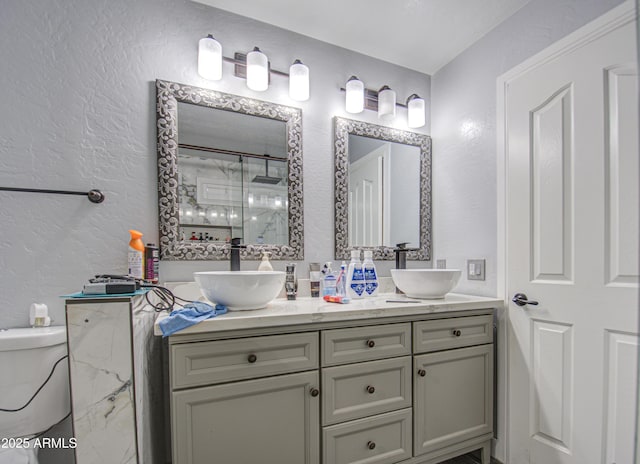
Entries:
{"x":136,"y":255}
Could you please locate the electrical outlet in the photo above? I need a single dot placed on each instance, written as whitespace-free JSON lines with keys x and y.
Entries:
{"x":476,"y":269}
{"x":441,"y":264}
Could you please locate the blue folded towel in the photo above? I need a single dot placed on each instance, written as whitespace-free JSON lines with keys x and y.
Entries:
{"x":189,"y":315}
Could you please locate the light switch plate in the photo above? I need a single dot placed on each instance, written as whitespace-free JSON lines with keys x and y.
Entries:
{"x":476,"y":269}
{"x":441,"y":264}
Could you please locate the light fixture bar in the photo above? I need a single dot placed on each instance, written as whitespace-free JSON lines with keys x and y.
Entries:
{"x":371,"y":99}
{"x":239,"y":61}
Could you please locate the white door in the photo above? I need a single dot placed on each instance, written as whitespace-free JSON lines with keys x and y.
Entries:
{"x":571,"y":147}
{"x":365,"y":198}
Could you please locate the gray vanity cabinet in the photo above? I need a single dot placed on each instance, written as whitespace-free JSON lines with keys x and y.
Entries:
{"x":414,"y":389}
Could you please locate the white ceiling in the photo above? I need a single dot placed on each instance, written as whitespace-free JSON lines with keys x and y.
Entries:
{"x":419,"y":34}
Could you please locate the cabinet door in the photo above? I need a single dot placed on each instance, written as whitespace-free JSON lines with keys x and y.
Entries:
{"x":268,"y":420}
{"x":453,"y":393}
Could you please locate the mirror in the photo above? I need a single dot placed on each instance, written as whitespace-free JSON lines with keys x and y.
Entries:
{"x":382,"y":190}
{"x":228,"y":166}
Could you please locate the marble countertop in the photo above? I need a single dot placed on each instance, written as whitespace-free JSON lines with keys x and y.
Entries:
{"x":307,"y":310}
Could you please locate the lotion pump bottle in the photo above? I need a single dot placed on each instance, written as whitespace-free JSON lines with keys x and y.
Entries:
{"x":265,"y":265}
{"x":370,"y":274}
{"x":136,"y":255}
{"x":355,"y":277}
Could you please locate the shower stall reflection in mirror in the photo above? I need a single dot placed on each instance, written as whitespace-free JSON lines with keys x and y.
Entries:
{"x":223,"y":195}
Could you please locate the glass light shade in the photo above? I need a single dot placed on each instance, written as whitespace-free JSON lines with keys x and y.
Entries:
{"x":257,"y":70}
{"x":299,"y":81}
{"x":415,"y":111}
{"x":354,"y":102}
{"x":386,"y":104}
{"x":210,"y":58}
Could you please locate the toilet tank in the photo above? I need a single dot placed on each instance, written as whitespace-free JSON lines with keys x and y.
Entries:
{"x":27,"y":357}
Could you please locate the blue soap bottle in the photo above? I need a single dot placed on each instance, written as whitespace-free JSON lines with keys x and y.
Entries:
{"x":370,"y":274}
{"x":355,"y":277}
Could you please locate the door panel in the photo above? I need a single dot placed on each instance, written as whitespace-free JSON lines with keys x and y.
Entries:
{"x":552,"y":359}
{"x":551,"y":129}
{"x":366,"y":198}
{"x":622,"y":351}
{"x":621,"y":171}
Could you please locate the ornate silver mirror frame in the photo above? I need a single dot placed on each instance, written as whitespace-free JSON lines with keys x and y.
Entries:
{"x":342,"y":128}
{"x":171,"y":247}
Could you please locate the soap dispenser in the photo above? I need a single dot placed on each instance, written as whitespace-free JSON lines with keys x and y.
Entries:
{"x":265,"y":265}
{"x":370,"y":274}
{"x":355,"y":277}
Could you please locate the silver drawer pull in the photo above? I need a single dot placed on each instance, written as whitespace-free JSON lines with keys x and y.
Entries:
{"x":371,"y":389}
{"x":371,"y":445}
{"x":371,"y":343}
{"x":252,"y":358}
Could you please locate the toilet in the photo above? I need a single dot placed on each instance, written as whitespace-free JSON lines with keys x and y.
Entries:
{"x":26,"y":359}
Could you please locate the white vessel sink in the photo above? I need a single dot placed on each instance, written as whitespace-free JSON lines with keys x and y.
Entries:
{"x":240,"y":290}
{"x":425,"y":283}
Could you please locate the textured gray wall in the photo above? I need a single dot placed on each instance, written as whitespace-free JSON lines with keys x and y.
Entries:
{"x":464,"y":129}
{"x":78,"y":112}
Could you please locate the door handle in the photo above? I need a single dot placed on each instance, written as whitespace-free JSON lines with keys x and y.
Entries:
{"x":521,"y":300}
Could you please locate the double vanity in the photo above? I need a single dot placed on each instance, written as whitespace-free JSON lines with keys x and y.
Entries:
{"x":308,"y":382}
{"x":304,"y":381}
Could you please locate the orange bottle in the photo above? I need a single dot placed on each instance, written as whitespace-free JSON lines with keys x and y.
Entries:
{"x":136,"y":255}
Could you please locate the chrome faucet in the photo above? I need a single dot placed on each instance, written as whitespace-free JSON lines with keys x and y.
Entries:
{"x":236,"y":246}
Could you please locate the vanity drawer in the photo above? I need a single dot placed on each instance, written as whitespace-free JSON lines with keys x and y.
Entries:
{"x":443,"y":334}
{"x":341,"y":346}
{"x":383,"y":439}
{"x":360,"y":390}
{"x":203,"y":363}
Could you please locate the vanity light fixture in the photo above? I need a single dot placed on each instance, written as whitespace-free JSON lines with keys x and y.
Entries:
{"x":299,"y":81}
{"x":253,"y":66}
{"x":386,"y":103}
{"x":354,"y":101}
{"x":210,"y":58}
{"x":415,"y":111}
{"x":257,"y":70}
{"x":359,"y":98}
